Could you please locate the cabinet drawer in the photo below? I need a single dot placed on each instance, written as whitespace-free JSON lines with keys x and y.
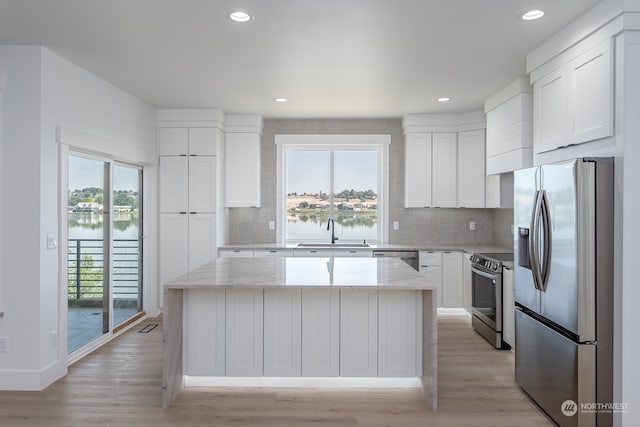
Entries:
{"x":236,"y":253}
{"x":430,"y":258}
{"x":272,"y":252}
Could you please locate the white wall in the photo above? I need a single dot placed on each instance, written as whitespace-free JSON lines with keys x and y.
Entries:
{"x":43,"y":93}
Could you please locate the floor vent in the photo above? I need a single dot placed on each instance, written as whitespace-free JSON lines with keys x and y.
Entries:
{"x":148,"y":328}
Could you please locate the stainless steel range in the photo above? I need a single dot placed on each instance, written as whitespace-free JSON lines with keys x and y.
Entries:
{"x":486,"y":294}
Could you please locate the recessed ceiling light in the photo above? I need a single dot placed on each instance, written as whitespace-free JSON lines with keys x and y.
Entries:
{"x":279,"y":99}
{"x":532,"y":14}
{"x":444,"y":99}
{"x":240,"y":16}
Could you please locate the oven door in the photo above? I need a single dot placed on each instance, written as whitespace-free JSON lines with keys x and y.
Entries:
{"x":486,"y":295}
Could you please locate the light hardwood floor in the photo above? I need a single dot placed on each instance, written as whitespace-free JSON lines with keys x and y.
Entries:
{"x":119,"y":385}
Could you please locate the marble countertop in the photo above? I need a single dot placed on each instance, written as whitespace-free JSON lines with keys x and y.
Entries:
{"x":468,"y":248}
{"x":301,"y":272}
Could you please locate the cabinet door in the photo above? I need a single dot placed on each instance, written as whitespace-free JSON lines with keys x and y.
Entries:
{"x":445,"y":167}
{"x":471,"y":170}
{"x":452,"y":279}
{"x":358,"y":333}
{"x":466,"y":283}
{"x":320,"y":332}
{"x":202,"y":239}
{"x":591,"y":95}
{"x":282,"y":333}
{"x":433,"y":275}
{"x":203,"y":141}
{"x":508,"y":320}
{"x":492,"y":191}
{"x":202,"y":184}
{"x":550,"y":112}
{"x":173,"y":184}
{"x":174,"y":246}
{"x":205,"y":334}
{"x":173,"y":141}
{"x":242,"y":182}
{"x":258,"y":253}
{"x":397,"y":323}
{"x":417,"y":184}
{"x":244,"y":337}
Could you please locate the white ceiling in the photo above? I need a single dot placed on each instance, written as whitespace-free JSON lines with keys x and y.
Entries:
{"x":330,"y":58}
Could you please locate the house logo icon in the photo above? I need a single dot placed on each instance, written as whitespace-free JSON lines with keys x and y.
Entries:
{"x":569,"y":408}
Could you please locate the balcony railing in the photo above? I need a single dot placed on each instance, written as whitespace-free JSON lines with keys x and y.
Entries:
{"x":86,"y":269}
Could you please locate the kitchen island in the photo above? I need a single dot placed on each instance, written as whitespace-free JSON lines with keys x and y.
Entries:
{"x":300,"y":322}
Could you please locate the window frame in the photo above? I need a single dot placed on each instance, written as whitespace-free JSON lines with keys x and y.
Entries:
{"x":379,"y":142}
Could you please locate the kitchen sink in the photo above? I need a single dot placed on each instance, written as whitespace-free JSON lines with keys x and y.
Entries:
{"x":333,"y":245}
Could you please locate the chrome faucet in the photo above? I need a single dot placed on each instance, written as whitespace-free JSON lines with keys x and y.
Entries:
{"x":332,"y":226}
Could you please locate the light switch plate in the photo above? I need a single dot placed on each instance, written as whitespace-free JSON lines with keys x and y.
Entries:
{"x":52,"y":243}
{"x":396,"y":225}
{"x":472,"y":225}
{"x":272,"y":225}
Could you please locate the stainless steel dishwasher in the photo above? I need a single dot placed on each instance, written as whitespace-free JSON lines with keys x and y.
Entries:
{"x":410,"y":257}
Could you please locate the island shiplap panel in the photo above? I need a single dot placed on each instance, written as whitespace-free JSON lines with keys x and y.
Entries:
{"x":320,"y":332}
{"x":205,"y":339}
{"x":244,"y":338}
{"x":358,"y":333}
{"x":282,"y":332}
{"x":397,"y":333}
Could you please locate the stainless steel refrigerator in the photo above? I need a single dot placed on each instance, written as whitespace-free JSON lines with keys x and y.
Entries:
{"x":563,"y":249}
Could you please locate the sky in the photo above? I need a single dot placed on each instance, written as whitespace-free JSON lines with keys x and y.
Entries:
{"x":85,"y":173}
{"x":308,"y":171}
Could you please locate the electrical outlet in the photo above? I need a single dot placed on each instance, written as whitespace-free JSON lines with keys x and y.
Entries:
{"x":4,"y":345}
{"x":472,"y":225}
{"x":272,"y":225}
{"x":54,"y":338}
{"x":396,"y":225}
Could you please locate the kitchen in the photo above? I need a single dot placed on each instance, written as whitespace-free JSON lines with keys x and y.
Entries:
{"x":246,"y":225}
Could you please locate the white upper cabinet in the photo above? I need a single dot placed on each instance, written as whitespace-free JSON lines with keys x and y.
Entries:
{"x":417,"y":185}
{"x":574,"y":103}
{"x":173,"y":141}
{"x":242,"y":183}
{"x":445,"y":170}
{"x":203,"y":141}
{"x":444,"y":160}
{"x":173,"y":183}
{"x":202,"y":184}
{"x":509,"y":144}
{"x":471,"y":171}
{"x":591,"y":94}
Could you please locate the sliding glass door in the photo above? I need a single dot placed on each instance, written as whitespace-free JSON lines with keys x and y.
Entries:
{"x":127,"y":242}
{"x":88,"y":260}
{"x":105,"y":247}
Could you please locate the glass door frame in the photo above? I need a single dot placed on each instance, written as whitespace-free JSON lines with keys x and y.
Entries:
{"x":65,"y":151}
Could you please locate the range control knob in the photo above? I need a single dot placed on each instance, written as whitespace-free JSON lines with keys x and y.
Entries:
{"x":494,"y":267}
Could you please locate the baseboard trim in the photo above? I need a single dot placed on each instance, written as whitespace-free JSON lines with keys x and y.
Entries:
{"x":303,"y":382}
{"x":31,"y":379}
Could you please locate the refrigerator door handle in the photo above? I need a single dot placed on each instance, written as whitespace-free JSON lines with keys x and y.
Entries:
{"x":534,"y":242}
{"x":546,"y":235}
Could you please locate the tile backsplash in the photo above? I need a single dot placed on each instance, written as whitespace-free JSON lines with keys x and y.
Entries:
{"x":435,"y":225}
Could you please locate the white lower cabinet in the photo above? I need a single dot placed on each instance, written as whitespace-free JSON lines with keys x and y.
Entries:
{"x":244,"y":337}
{"x":397,"y":333}
{"x":187,"y":241}
{"x":205,"y":318}
{"x":358,"y":333}
{"x":282,"y":332}
{"x":320,"y":332}
{"x":224,"y":253}
{"x":508,"y":320}
{"x":452,"y":279}
{"x":466,"y":282}
{"x":430,"y":266}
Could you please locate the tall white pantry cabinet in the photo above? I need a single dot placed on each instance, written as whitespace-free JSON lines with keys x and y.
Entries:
{"x":187,"y":181}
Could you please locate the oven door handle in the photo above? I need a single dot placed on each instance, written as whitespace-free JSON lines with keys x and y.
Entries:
{"x":490,"y":276}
